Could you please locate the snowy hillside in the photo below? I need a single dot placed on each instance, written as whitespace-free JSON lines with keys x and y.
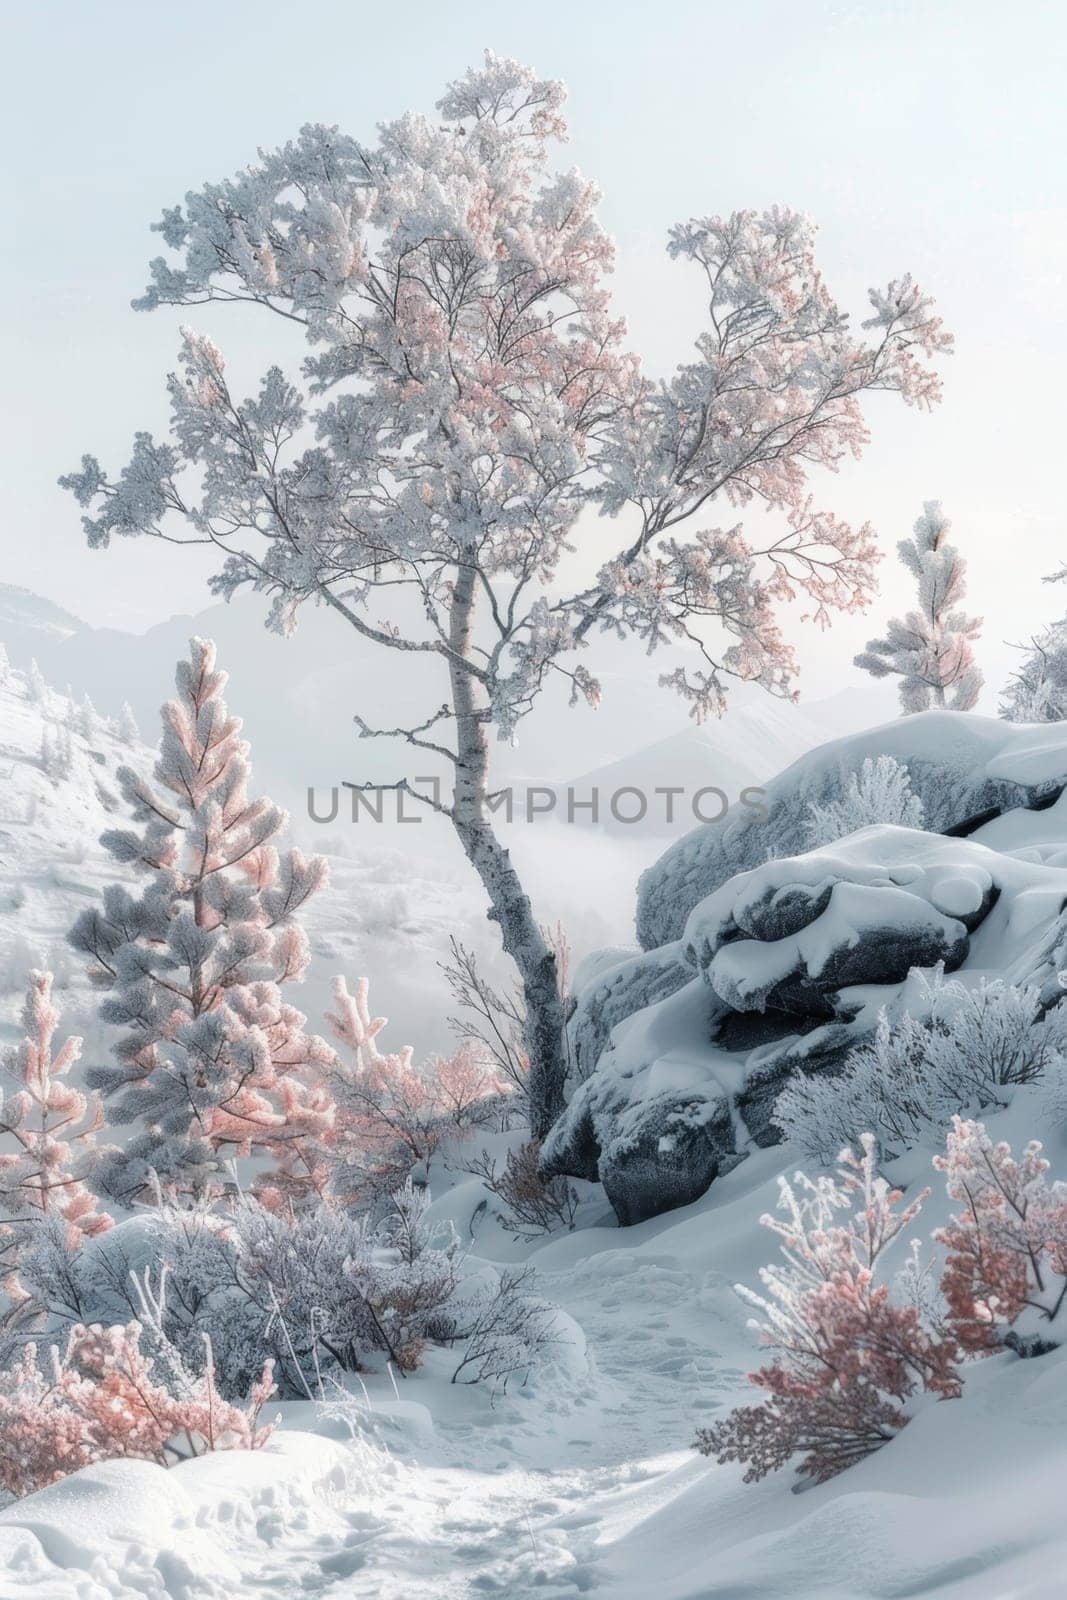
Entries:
{"x":582,"y":1482}
{"x":380,"y":916}
{"x":583,"y":1479}
{"x":51,"y":860}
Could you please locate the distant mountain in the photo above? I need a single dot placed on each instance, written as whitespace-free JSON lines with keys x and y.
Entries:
{"x":297,"y":697}
{"x":757,"y":738}
{"x":31,"y":625}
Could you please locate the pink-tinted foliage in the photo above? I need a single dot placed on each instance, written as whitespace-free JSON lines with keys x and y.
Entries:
{"x":99,"y":1399}
{"x":391,"y":1114}
{"x":468,"y":396}
{"x":930,"y":649}
{"x":211,"y":1059}
{"x":848,"y":1358}
{"x":1007,"y":1246}
{"x":51,"y":1128}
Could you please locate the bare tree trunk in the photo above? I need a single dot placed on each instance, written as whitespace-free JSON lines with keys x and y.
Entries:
{"x":508,"y":901}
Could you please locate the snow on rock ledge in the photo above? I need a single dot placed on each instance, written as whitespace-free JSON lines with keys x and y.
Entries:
{"x":795,"y":959}
{"x":964,"y":768}
{"x":790,"y":934}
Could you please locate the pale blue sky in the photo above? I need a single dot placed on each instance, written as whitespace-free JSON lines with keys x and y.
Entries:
{"x":922,"y":136}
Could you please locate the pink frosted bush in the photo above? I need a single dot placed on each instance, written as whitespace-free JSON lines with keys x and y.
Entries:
{"x":392,"y":1115}
{"x":99,"y":1399}
{"x":1007,"y":1246}
{"x":848,"y":1358}
{"x":51,"y":1128}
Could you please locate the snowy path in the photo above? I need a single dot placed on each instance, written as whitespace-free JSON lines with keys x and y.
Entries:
{"x":490,"y":1516}
{"x":582,"y":1484}
{"x":485,"y":1500}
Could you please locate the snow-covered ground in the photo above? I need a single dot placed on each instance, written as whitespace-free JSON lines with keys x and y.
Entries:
{"x":584,"y":1480}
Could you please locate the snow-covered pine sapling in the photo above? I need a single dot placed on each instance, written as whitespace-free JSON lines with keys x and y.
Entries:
{"x":1005,"y":1279}
{"x":210,"y":1056}
{"x":47,"y":1138}
{"x":929,"y":649}
{"x":57,"y":753}
{"x":102,"y":1398}
{"x":849,"y":1356}
{"x":880,"y":792}
{"x":5,"y":667}
{"x":474,"y":398}
{"x":87,"y":723}
{"x":36,"y":688}
{"x":128,"y":730}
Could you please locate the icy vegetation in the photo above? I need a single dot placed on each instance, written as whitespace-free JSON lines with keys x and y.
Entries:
{"x":569,"y":1293}
{"x":963,"y":771}
{"x":369,"y":1337}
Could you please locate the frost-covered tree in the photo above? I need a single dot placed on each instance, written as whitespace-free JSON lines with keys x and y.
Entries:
{"x":57,"y":752}
{"x":1038,"y":689}
{"x":5,"y":666}
{"x":929,"y":649}
{"x":472,"y":398}
{"x":880,"y":792}
{"x":86,"y":721}
{"x":36,"y":688}
{"x":47,"y":1138}
{"x":128,"y":730}
{"x":850,"y":1356}
{"x":210,"y":1051}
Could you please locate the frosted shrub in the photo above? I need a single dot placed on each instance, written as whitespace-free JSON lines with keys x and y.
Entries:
{"x":965,"y":1050}
{"x":496,"y":1020}
{"x":409,"y":1279}
{"x":102,"y":1396}
{"x":1005,"y":1279}
{"x":310,"y":1290}
{"x":849,"y":1357}
{"x":531,"y":1205}
{"x":391,"y":1115}
{"x":506,"y":1333}
{"x":880,"y":792}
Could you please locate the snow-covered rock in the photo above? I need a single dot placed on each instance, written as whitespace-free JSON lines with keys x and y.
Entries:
{"x":965,"y":769}
{"x":656,"y":1126}
{"x":797,"y":956}
{"x":789,"y":935}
